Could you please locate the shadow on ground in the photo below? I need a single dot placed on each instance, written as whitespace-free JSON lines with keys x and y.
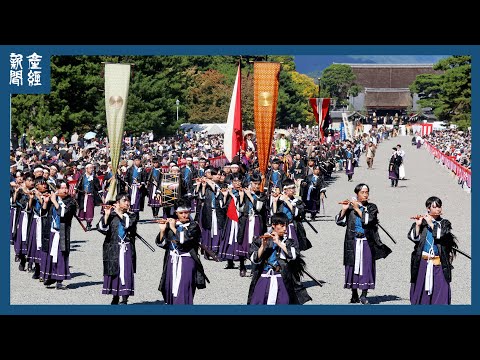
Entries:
{"x":311,"y":283}
{"x":77,"y":274}
{"x":156,"y":302}
{"x":382,"y":298}
{"x":83,"y":284}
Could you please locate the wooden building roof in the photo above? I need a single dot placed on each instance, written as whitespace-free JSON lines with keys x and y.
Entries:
{"x":389,"y":75}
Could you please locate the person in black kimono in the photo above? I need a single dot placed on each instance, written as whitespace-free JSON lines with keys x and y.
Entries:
{"x":362,"y":245}
{"x":154,"y":179}
{"x":136,"y":180}
{"x":55,"y":267}
{"x":394,"y":167}
{"x":87,"y":188}
{"x":118,"y":225}
{"x":298,"y":172}
{"x":182,"y":270}
{"x":22,"y":199}
{"x":212,"y":216}
{"x":275,"y":274}
{"x":311,"y":191}
{"x":294,"y":208}
{"x":431,"y":259}
{"x":187,"y":175}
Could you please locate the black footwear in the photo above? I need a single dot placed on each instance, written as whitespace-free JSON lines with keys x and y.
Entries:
{"x":363,"y":300}
{"x":124,"y":300}
{"x":29,"y":268}
{"x":243,"y":272}
{"x":354,"y":300}
{"x":49,"y":282}
{"x":61,"y":286}
{"x":115,"y":300}
{"x":17,"y":258}
{"x":21,"y":267}
{"x":229,"y":265}
{"x":89,"y":227}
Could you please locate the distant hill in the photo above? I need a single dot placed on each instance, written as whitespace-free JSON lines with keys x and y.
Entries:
{"x":313,"y":65}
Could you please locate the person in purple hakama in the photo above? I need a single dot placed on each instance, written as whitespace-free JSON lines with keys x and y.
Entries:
{"x":22,"y":198}
{"x":394,"y":167}
{"x":136,"y":179}
{"x":154,"y":187}
{"x":55,"y":262}
{"x":40,"y":211}
{"x":274,"y":280}
{"x":118,"y":225}
{"x":311,"y":192}
{"x":212,"y":214}
{"x":431,"y":259}
{"x":182,"y":270}
{"x":87,"y":188}
{"x":362,"y":245}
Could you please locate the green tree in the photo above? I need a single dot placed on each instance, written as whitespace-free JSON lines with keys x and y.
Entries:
{"x":338,"y":80}
{"x":448,"y":93}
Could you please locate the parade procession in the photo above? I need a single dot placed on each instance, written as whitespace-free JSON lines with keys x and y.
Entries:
{"x":327,"y":212}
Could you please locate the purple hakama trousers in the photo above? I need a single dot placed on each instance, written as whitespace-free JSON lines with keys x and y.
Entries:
{"x":56,"y":271}
{"x":19,"y":245}
{"x":262,"y":289}
{"x":441,"y":294}
{"x":88,"y":214}
{"x":34,"y":254}
{"x":112,"y":284}
{"x":367,"y":279}
{"x":186,"y":285}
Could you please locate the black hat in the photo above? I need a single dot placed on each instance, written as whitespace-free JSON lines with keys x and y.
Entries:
{"x":394,"y":148}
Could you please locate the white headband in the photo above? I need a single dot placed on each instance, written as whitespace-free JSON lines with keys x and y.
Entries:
{"x":289,"y":187}
{"x":38,"y":169}
{"x":183,"y":208}
{"x":364,"y":187}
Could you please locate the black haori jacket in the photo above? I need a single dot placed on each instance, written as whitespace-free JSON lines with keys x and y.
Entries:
{"x":111,"y":246}
{"x":370,"y":227}
{"x":288,"y":262}
{"x":444,"y":243}
{"x":65,"y":225}
{"x":206,"y":209}
{"x":95,"y":189}
{"x":190,"y":245}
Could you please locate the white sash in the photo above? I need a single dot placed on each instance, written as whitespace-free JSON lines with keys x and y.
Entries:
{"x":429,"y":273}
{"x":273,"y":289}
{"x":251,"y":227}
{"x":359,"y":257}
{"x":38,"y":231}
{"x":24,"y":226}
{"x":214,"y":223}
{"x":55,"y":243}
{"x":233,"y":232}
{"x":14,"y":218}
{"x":176,"y":260}
{"x":123,"y":250}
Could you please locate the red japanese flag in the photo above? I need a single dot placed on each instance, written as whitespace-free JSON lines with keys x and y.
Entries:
{"x":320,"y":110}
{"x":232,"y":211}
